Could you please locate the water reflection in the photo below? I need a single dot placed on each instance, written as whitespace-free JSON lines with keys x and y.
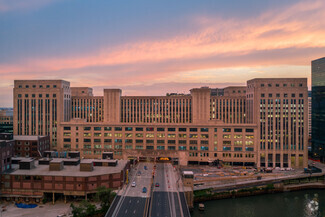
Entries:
{"x":302,"y":203}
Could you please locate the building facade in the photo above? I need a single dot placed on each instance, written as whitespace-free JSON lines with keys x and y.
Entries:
{"x":318,"y":108}
{"x":264,"y":124}
{"x":6,"y":121}
{"x":31,"y":146}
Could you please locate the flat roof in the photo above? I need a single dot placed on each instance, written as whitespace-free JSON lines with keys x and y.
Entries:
{"x":33,"y":138}
{"x":70,"y":171}
{"x":188,"y":173}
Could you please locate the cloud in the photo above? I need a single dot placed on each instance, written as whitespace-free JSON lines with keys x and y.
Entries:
{"x":218,"y":47}
{"x":12,"y":5}
{"x":271,"y":30}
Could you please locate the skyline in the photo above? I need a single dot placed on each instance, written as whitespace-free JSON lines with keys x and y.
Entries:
{"x":157,"y":46}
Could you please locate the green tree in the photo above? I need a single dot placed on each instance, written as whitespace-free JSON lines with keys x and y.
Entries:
{"x":85,"y":209}
{"x":105,"y":196}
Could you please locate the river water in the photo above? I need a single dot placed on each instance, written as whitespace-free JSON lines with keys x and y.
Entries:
{"x":309,"y":203}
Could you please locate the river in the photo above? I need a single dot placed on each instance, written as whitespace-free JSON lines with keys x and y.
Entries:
{"x":309,"y":203}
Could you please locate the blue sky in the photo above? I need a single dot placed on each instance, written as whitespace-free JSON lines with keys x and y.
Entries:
{"x":161,"y":46}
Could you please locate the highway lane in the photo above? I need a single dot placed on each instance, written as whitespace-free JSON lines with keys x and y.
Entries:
{"x":133,"y":201}
{"x":165,"y":200}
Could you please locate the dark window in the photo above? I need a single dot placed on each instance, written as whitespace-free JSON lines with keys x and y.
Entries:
{"x":97,"y":140}
{"x":269,"y":85}
{"x":66,"y":128}
{"x":215,"y":129}
{"x":248,"y":130}
{"x":160,"y":129}
{"x":171,"y":129}
{"x":47,"y":86}
{"x":54,"y":95}
{"x":87,"y":140}
{"x":262,"y":85}
{"x":150,"y":129}
{"x":108,"y":140}
{"x":262,"y":95}
{"x":193,"y":129}
{"x":238,"y":130}
{"x":301,"y":95}
{"x":277,"y":85}
{"x":182,"y":129}
{"x":118,"y":128}
{"x":270,"y":94}
{"x":87,"y":128}
{"x":204,"y":129}
{"x":107,"y":128}
{"x":226,"y":130}
{"x":293,"y":95}
{"x":128,"y":128}
{"x":138,"y":129}
{"x":97,"y":128}
{"x":40,"y":95}
{"x":66,"y":140}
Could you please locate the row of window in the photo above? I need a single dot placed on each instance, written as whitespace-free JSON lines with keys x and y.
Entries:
{"x":161,"y":129}
{"x":284,"y":95}
{"x":40,"y":86}
{"x":39,"y":95}
{"x":284,"y":85}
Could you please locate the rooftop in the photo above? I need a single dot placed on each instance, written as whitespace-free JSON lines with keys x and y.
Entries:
{"x":31,"y":138}
{"x":72,"y":171}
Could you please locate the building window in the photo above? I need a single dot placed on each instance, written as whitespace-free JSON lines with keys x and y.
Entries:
{"x":238,"y":130}
{"x":262,"y":85}
{"x":97,"y":128}
{"x":107,"y":128}
{"x":150,"y":129}
{"x":182,"y":129}
{"x":204,"y":129}
{"x":160,"y":129}
{"x":226,"y":130}
{"x":171,"y":129}
{"x":193,"y":129}
{"x":138,"y":129}
{"x":128,"y":128}
{"x":118,"y":128}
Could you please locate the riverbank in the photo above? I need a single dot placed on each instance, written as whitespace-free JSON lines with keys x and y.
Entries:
{"x":259,"y":188}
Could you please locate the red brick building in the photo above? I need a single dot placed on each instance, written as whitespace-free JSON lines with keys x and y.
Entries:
{"x":31,"y":146}
{"x":32,"y":181}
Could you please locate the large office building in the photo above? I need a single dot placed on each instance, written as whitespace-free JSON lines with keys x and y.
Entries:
{"x":318,"y":108}
{"x":264,"y":123}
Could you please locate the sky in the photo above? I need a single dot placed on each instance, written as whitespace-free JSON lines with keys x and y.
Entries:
{"x":147,"y":47}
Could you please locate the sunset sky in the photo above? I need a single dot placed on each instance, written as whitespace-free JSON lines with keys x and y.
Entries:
{"x":150,"y":47}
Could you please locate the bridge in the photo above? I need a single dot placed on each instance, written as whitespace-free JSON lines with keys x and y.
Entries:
{"x":164,"y":197}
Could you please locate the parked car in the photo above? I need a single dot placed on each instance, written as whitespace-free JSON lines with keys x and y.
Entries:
{"x":145,"y":167}
{"x":157,"y":184}
{"x":133,"y":184}
{"x":144,"y":190}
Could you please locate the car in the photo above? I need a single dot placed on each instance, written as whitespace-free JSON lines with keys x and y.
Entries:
{"x":144,"y":190}
{"x":145,"y":167}
{"x":133,"y":184}
{"x":157,"y":184}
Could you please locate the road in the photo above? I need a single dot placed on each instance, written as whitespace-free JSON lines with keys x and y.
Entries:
{"x":131,"y":201}
{"x":166,"y":200}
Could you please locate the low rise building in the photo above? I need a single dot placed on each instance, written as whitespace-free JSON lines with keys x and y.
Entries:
{"x":32,"y":181}
{"x":31,"y":146}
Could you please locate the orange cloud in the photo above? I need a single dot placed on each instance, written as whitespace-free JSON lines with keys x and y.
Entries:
{"x":299,"y":26}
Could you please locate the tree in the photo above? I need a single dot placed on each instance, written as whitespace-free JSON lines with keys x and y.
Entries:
{"x":84,"y":209}
{"x":105,"y":196}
